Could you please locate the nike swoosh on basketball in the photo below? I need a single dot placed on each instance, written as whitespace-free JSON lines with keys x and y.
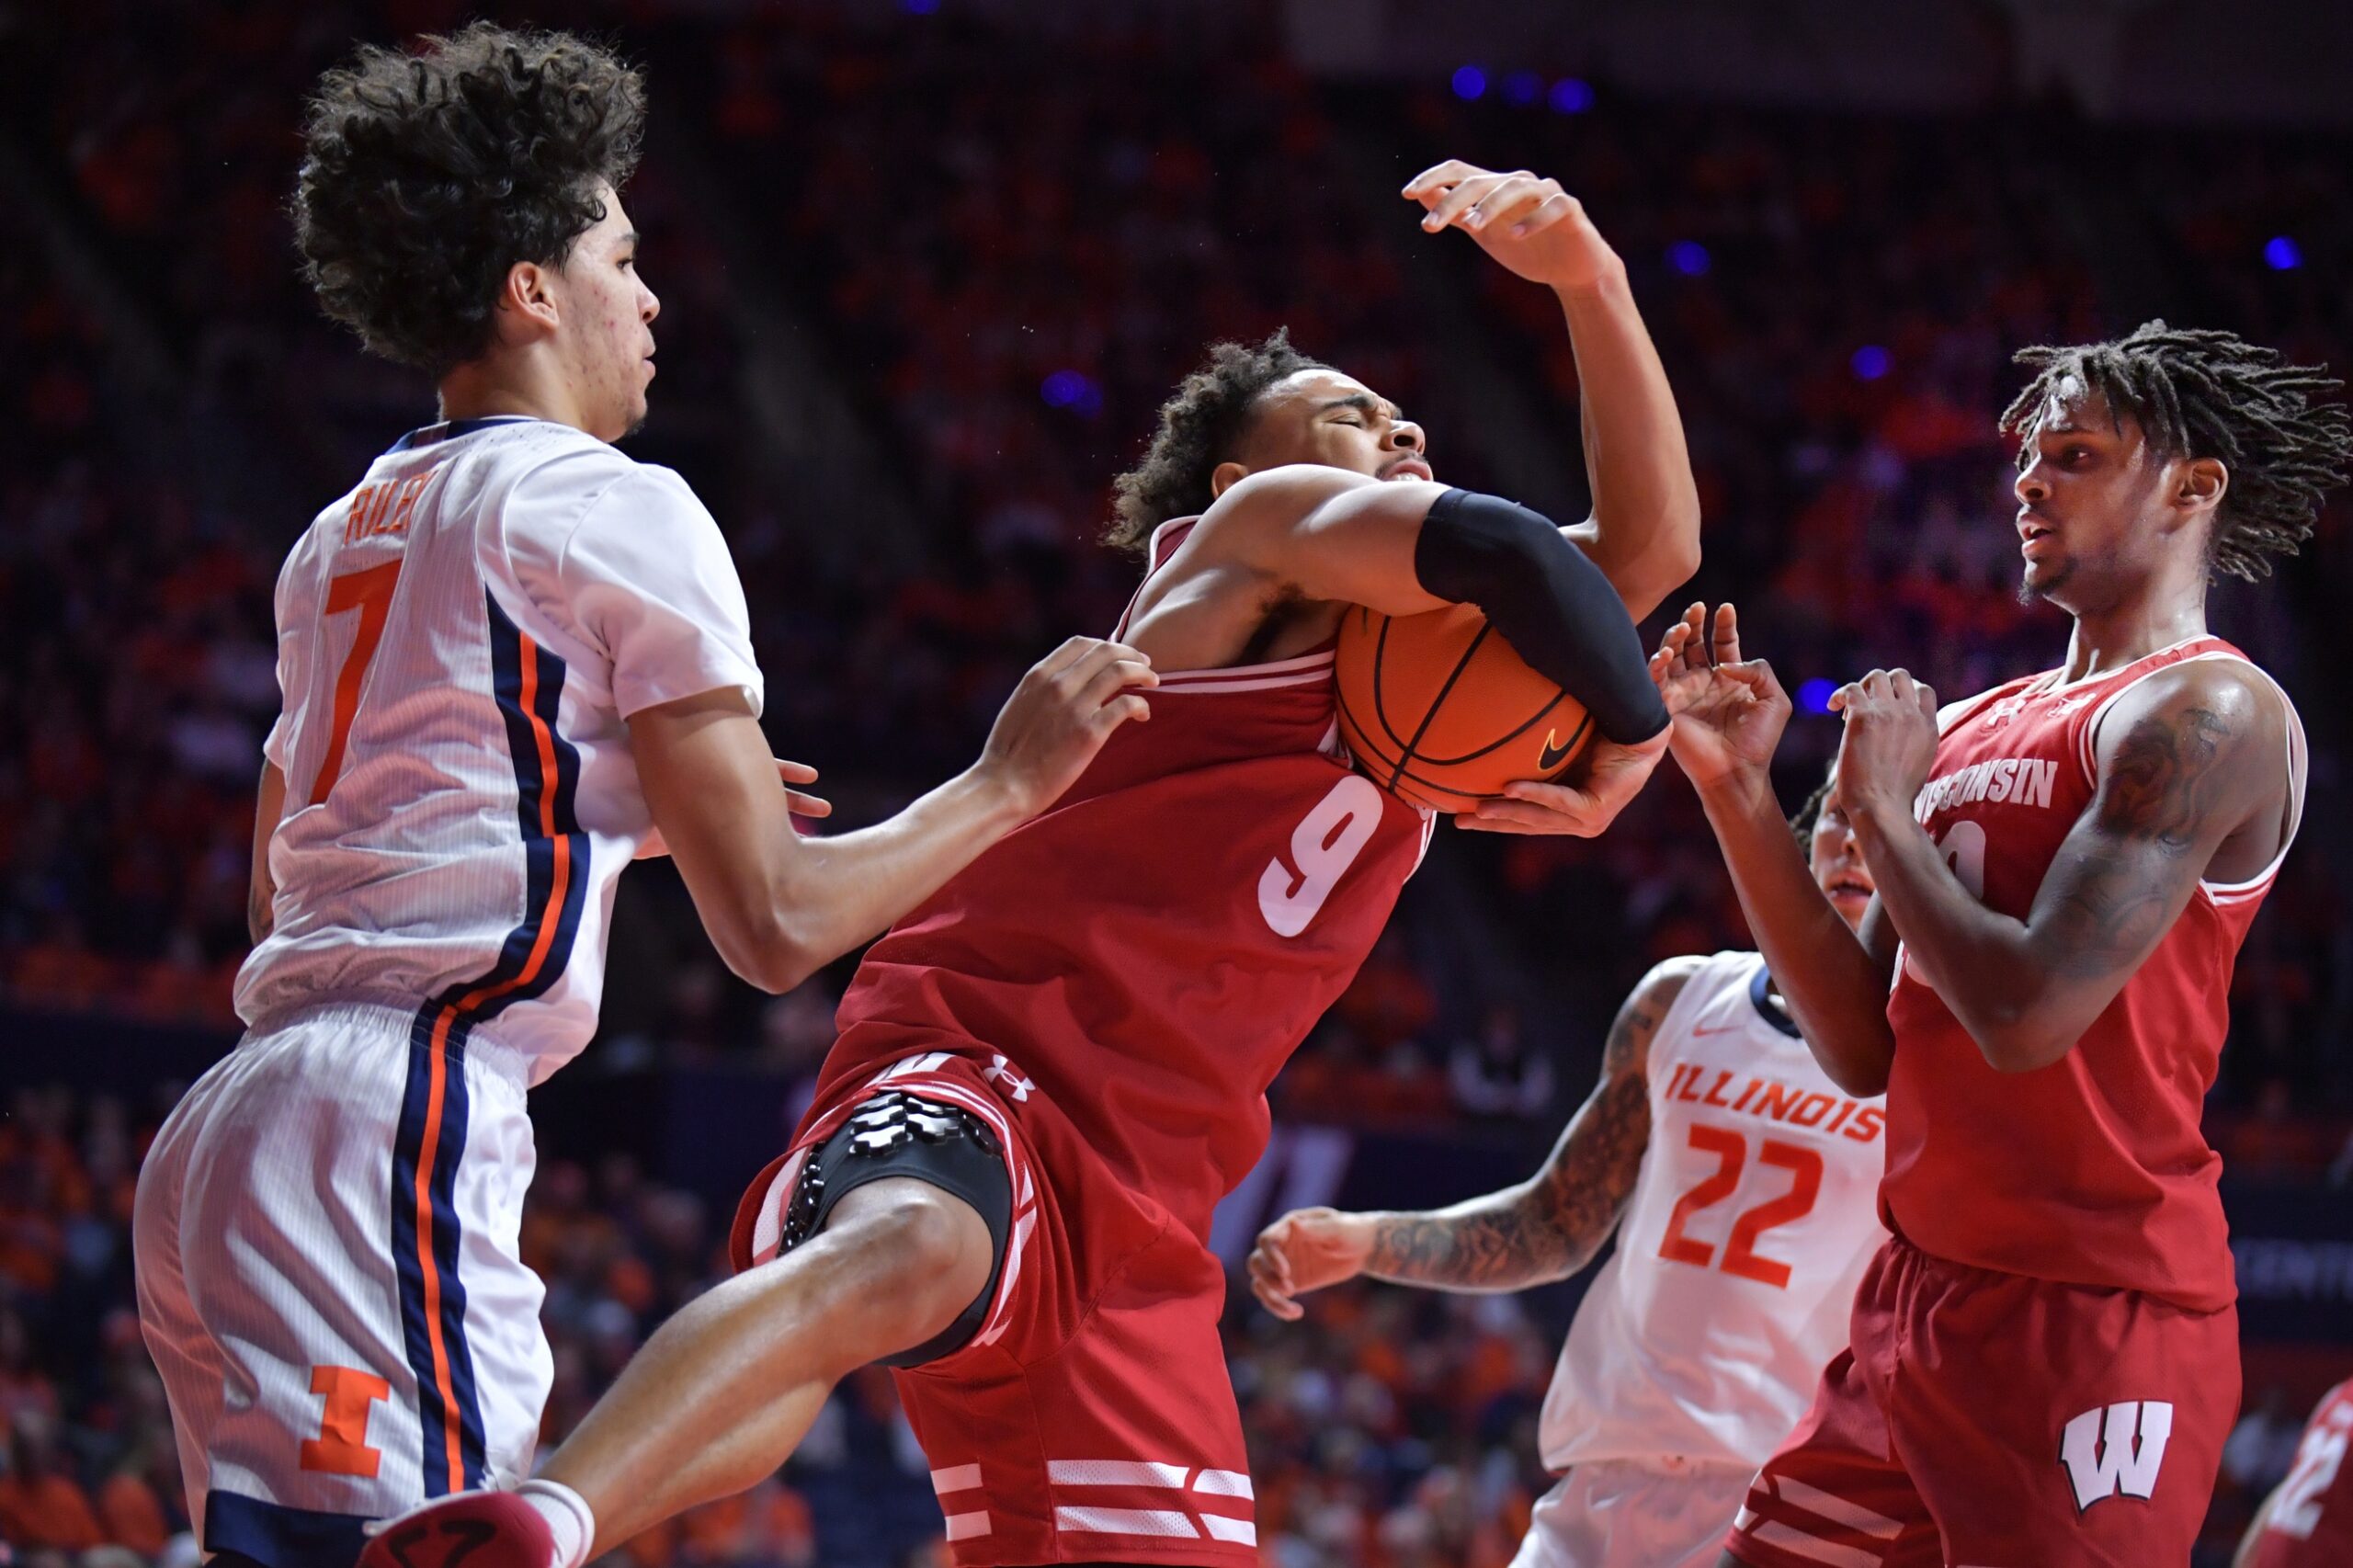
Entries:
{"x":1553,"y":755}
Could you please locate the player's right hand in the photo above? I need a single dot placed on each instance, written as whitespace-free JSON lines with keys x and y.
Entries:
{"x":1305,"y":1250}
{"x":1059,"y":717}
{"x":1728,"y":711}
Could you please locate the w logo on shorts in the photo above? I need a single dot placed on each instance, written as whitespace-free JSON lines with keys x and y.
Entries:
{"x":2116,"y":1448}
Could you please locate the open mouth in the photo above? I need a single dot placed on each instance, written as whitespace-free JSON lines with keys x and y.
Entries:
{"x":1850,"y":887}
{"x":1406,"y":467}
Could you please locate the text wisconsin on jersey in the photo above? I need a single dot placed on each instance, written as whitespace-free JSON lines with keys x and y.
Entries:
{"x":2027,"y":780}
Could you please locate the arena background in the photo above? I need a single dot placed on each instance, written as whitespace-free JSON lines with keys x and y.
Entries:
{"x":927,"y":268}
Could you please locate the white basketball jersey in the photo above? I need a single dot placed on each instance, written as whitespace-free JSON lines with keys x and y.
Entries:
{"x":459,"y":641}
{"x":1755,"y":1215}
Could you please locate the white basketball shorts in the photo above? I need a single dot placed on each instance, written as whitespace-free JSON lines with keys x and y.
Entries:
{"x":325,"y":1238}
{"x":1629,"y":1514}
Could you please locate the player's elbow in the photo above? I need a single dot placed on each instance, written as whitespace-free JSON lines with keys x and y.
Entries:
{"x":1862,"y":1081}
{"x":2019,"y":1029}
{"x":2022,"y":1045}
{"x":767,"y":950}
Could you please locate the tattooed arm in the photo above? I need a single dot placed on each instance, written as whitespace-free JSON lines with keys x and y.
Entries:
{"x":1546,"y":1228}
{"x":2190,"y":763}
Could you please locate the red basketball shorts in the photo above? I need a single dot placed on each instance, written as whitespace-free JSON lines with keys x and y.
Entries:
{"x":1089,"y":1418}
{"x":1993,"y":1421}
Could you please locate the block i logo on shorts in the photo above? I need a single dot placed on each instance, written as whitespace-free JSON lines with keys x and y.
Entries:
{"x":2116,"y":1448}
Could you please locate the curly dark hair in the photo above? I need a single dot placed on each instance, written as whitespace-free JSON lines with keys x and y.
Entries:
{"x":1199,"y":428}
{"x":426,"y":176}
{"x":2201,"y":393}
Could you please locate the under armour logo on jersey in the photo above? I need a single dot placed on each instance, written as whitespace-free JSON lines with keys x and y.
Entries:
{"x":1002,"y":1071}
{"x":2116,"y":1448}
{"x":2002,"y":712}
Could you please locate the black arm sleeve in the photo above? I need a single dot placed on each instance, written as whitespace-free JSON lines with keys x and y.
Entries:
{"x":1551,"y":604}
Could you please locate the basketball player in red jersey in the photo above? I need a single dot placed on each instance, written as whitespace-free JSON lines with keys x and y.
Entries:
{"x":1048,"y":1074}
{"x":2307,"y":1522}
{"x":2043,"y":1360}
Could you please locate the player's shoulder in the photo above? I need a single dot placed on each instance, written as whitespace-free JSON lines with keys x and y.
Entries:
{"x":2219,"y":701}
{"x":1668,"y":979}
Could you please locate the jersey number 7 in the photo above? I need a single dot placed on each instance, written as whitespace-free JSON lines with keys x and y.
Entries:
{"x":370,"y":593}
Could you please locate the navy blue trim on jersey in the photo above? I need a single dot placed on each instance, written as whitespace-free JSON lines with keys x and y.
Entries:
{"x":1760,"y":992}
{"x":527,"y":681}
{"x":450,"y":429}
{"x":279,"y":1537}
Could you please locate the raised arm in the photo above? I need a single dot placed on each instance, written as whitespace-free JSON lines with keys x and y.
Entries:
{"x":1729,"y":714}
{"x":2185,"y":759}
{"x":1545,"y":1228}
{"x":780,"y":906}
{"x":1644,"y":531}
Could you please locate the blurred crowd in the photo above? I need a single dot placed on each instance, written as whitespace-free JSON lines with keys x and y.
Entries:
{"x":1000,"y":253}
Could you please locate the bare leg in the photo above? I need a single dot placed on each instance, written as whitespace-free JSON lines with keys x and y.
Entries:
{"x":724,"y":1390}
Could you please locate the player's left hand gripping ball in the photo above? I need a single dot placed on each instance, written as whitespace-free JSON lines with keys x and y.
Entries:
{"x":1583,"y":802}
{"x":1522,"y":219}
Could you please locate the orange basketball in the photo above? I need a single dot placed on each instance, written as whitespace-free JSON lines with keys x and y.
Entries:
{"x":1439,"y":710}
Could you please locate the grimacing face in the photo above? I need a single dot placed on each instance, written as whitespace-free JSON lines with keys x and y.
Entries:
{"x":2098,"y":508}
{"x":1837,"y":861}
{"x":608,"y":331}
{"x":1320,"y":415}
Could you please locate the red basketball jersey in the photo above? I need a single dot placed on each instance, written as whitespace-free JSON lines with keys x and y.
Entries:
{"x":2091,"y":1171}
{"x":1149,"y":951}
{"x":2309,"y":1524}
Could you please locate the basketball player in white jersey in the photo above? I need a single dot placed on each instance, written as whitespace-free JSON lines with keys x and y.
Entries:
{"x":512,"y":660}
{"x":1739,"y":1183}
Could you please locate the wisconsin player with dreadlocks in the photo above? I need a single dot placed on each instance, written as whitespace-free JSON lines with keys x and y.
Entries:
{"x":2043,"y":1360}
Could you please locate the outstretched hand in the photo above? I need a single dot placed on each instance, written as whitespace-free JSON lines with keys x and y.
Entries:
{"x":1728,"y":711}
{"x":1525,"y":222}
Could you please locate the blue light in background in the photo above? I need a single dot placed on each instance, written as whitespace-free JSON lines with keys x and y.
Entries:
{"x":1468,"y":82}
{"x":1688,"y":256}
{"x":1523,"y":87}
{"x":1571,"y":95}
{"x":1068,"y":389}
{"x":1814,"y":694}
{"x":920,"y":7}
{"x":2283,"y":254}
{"x":1870,"y":362}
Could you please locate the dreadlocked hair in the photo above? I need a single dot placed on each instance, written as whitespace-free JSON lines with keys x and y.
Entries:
{"x":1199,"y":428}
{"x":2201,"y":393}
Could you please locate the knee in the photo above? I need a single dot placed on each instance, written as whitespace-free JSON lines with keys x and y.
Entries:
{"x":922,"y":1254}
